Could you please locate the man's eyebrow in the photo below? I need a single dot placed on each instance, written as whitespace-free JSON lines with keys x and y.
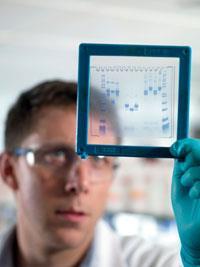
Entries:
{"x":56,"y":145}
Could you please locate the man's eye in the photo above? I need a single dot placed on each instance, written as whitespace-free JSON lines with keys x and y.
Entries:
{"x":55,"y":157}
{"x":99,"y":161}
{"x":104,"y":162}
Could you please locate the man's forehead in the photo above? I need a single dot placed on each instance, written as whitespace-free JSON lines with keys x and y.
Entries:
{"x":99,"y":135}
{"x":61,"y":127}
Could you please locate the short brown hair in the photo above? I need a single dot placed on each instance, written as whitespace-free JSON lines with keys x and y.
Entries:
{"x":23,"y":114}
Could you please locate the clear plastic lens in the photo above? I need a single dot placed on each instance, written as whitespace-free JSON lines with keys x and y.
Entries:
{"x":60,"y":160}
{"x":101,"y":162}
{"x":30,"y":158}
{"x":100,"y":157}
{"x":56,"y":158}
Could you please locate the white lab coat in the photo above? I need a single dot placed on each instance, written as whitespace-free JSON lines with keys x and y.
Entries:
{"x":110,"y":250}
{"x":107,"y":250}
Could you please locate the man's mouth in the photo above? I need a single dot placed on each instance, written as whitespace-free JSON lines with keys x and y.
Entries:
{"x":72,"y":215}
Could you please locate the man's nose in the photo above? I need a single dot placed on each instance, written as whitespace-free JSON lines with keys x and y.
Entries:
{"x":78,"y":178}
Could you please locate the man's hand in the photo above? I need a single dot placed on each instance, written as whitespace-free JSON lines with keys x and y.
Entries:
{"x":186,"y":198}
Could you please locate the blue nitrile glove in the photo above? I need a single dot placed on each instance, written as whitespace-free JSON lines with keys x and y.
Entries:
{"x":186,"y":198}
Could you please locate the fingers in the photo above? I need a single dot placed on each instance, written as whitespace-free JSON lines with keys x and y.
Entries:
{"x":191,"y":180}
{"x":186,"y":176}
{"x":182,"y":148}
{"x":188,"y":153}
{"x":195,"y":190}
{"x":190,"y":176}
{"x":179,"y":190}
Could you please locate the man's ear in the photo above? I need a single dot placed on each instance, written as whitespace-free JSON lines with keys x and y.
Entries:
{"x":7,"y":170}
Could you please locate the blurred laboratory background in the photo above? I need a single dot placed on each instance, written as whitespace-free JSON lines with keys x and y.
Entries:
{"x":39,"y":40}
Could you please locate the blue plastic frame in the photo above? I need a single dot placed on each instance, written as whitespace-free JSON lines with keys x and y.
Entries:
{"x":85,"y":51}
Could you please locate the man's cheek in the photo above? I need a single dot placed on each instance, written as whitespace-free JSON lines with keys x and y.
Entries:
{"x":33,"y":196}
{"x":100,"y":200}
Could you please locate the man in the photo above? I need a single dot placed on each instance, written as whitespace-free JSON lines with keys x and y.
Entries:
{"x":60,"y":198}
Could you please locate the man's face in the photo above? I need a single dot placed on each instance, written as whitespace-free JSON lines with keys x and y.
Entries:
{"x":61,"y":206}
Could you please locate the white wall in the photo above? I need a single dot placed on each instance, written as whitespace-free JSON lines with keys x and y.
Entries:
{"x":39,"y":39}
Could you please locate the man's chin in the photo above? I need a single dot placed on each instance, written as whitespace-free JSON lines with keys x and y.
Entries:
{"x":70,"y":239}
